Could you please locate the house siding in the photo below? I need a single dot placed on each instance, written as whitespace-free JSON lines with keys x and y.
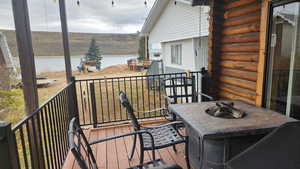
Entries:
{"x":235,"y":30}
{"x":188,"y":55}
{"x":180,"y":21}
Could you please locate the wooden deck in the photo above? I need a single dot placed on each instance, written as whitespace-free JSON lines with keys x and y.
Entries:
{"x":113,"y":154}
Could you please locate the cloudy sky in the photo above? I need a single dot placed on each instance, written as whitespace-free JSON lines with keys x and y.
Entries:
{"x":97,"y":16}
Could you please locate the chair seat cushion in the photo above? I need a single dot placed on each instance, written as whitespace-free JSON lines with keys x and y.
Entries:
{"x":163,"y":137}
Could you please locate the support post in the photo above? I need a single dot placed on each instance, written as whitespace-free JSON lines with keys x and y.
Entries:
{"x":26,"y":55}
{"x":72,"y":100}
{"x":146,"y":48}
{"x":74,"y":96}
{"x":9,"y":153}
{"x":205,"y":84}
{"x":93,"y":101}
{"x":65,"y":36}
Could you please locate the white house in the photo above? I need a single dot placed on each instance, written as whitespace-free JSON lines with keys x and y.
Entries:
{"x":176,"y":36}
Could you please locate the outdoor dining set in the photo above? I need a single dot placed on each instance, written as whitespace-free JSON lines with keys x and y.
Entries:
{"x":217,"y":134}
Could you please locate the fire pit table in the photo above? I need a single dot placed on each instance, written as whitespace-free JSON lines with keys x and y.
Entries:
{"x":215,"y":140}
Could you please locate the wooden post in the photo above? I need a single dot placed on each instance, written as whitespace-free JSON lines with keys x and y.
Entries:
{"x":74,"y":95}
{"x":26,"y":55}
{"x":94,"y":107}
{"x":146,"y":48}
{"x":9,"y":153}
{"x":64,"y":27}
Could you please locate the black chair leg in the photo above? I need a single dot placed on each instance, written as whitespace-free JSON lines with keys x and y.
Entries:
{"x":153,"y":155}
{"x":141,"y":158}
{"x":133,"y":148}
{"x":174,"y":148}
{"x":187,"y":153}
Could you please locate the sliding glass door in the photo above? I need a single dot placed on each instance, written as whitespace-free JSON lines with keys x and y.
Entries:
{"x":283,"y":63}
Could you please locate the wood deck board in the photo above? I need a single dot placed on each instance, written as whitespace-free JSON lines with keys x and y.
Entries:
{"x":113,"y":154}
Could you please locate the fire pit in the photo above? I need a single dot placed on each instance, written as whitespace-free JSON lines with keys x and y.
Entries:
{"x":225,"y":110}
{"x":215,"y":140}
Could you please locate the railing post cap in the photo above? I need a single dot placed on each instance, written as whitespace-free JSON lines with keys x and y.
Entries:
{"x":73,"y":78}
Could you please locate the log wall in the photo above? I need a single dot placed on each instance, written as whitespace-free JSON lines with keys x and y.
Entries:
{"x":236,"y":48}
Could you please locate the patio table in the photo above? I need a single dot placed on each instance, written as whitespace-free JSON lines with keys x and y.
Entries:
{"x":214,"y":140}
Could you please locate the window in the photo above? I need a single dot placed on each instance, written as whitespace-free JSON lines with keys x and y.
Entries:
{"x":282,"y":92}
{"x":176,"y":54}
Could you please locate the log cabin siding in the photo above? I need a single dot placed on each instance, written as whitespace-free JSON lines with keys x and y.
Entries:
{"x":234,"y":48}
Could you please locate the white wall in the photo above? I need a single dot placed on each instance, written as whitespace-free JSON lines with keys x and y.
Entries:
{"x":201,"y":53}
{"x":180,"y":21}
{"x":188,"y":54}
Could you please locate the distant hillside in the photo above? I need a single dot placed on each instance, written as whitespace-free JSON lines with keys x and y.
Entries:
{"x":50,"y":43}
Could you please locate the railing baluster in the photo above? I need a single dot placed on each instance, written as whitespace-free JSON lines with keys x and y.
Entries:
{"x":66,"y":115}
{"x":143,"y":95}
{"x":107,"y":98}
{"x":125,"y":88}
{"x":60,"y":123}
{"x":149,"y":88}
{"x":88,"y":98}
{"x":23,"y":145}
{"x":50,"y":136}
{"x":82,"y":103}
{"x":40,"y":143}
{"x":30,"y":145}
{"x":154,"y":93}
{"x":113,"y":97}
{"x":54,"y":134}
{"x":94,"y":107}
{"x":131,"y":94}
{"x":57,"y":128}
{"x":101,"y":100}
{"x":159,"y":92}
{"x":45,"y":138}
{"x":120,"y":106}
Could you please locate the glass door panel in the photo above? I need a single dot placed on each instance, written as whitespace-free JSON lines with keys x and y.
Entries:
{"x":283,"y":77}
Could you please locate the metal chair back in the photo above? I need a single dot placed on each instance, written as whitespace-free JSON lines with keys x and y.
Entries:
{"x":125,"y":102}
{"x":278,"y":150}
{"x":181,"y":89}
{"x":80,"y":147}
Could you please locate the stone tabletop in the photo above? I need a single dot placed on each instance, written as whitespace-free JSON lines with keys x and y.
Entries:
{"x":257,"y":120}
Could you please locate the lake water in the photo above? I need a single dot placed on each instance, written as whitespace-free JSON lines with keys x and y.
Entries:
{"x":52,"y":64}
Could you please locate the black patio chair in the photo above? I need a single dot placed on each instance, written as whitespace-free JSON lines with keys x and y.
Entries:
{"x":81,"y":149}
{"x":182,"y":90}
{"x":278,"y":150}
{"x":164,"y":135}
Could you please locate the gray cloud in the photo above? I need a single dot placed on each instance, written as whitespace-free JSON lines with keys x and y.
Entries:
{"x":126,"y":16}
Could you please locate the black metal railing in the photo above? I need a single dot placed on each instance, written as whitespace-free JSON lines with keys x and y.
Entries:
{"x":98,"y":99}
{"x":40,"y":140}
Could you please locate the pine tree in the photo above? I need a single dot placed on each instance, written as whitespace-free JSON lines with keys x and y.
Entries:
{"x":94,"y":54}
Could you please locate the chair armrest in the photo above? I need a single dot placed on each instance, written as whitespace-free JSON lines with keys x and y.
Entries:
{"x":169,"y":99}
{"x":207,"y":96}
{"x":164,"y":125}
{"x":151,"y":111}
{"x":124,"y":135}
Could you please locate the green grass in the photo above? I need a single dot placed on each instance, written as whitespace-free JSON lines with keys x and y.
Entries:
{"x":12,"y":105}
